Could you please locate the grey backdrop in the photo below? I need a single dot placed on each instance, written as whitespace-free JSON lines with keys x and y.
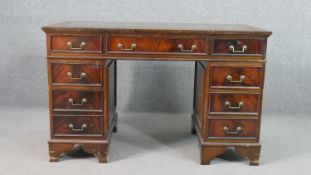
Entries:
{"x":157,"y":86}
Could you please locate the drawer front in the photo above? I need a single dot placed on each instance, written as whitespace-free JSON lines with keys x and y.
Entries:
{"x":232,"y":129}
{"x":76,"y":74}
{"x":123,"y":44}
{"x":238,"y":46}
{"x":223,"y":103}
{"x":76,"y":43}
{"x":77,"y":101}
{"x":78,"y":125}
{"x":236,"y":77}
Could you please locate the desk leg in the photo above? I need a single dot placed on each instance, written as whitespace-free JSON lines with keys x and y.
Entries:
{"x":59,"y":148}
{"x":100,"y":151}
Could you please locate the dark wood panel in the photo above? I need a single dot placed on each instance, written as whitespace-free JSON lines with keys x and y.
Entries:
{"x":73,"y":100}
{"x":136,"y":44}
{"x":236,"y":77}
{"x":76,"y":43}
{"x":76,"y":74}
{"x":232,"y":129}
{"x":223,"y":103}
{"x":239,"y":46}
{"x":78,"y":126}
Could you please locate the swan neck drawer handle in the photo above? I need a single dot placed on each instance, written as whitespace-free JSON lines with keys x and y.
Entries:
{"x":181,"y":47}
{"x":70,"y":46}
{"x":228,"y":105}
{"x":242,"y":78}
{"x":82,"y":75}
{"x":133,"y":46}
{"x":237,"y":131}
{"x":70,"y":125}
{"x":83,"y":101}
{"x":233,"y":50}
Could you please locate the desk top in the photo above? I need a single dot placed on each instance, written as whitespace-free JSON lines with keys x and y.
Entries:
{"x":138,"y":27}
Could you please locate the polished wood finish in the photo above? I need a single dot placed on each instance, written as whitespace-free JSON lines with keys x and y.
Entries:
{"x":81,"y":126}
{"x":228,"y":82}
{"x":210,"y":150}
{"x":218,"y":103}
{"x":59,"y":43}
{"x":79,"y":113}
{"x":254,"y":46}
{"x":219,"y":125}
{"x":77,"y":74}
{"x":220,"y":74}
{"x":70,"y":100}
{"x":156,"y":45}
{"x":216,"y":129}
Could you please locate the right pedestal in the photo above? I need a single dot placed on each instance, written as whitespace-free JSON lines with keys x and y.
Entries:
{"x":227,"y":108}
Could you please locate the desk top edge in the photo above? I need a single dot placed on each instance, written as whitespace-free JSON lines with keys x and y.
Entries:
{"x":133,"y":27}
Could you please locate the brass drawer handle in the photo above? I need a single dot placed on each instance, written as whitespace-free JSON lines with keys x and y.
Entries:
{"x":83,"y":101}
{"x":242,"y":78}
{"x":238,"y":129}
{"x":70,"y":125}
{"x":82,"y":46}
{"x":232,"y":48}
{"x":82,"y":75}
{"x":181,"y":47}
{"x":228,"y":105}
{"x":133,"y":46}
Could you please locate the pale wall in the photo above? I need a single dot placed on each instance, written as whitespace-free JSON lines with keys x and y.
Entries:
{"x":157,"y":86}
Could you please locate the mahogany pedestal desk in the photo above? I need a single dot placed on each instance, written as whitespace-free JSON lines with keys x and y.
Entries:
{"x":228,"y":83}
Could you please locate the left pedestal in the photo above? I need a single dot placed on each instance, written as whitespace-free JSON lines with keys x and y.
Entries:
{"x":82,"y":103}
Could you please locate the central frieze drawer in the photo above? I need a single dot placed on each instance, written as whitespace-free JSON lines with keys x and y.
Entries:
{"x":156,"y":45}
{"x":78,"y":125}
{"x":77,"y":100}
